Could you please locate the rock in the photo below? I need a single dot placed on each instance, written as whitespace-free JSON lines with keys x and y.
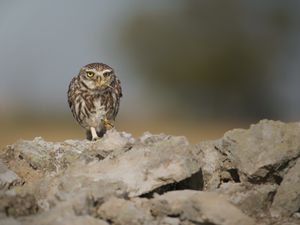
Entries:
{"x":61,"y":215}
{"x":246,"y":177}
{"x":264,"y":151}
{"x":8,"y":178}
{"x":144,"y":167}
{"x":287,"y":199}
{"x":211,"y":161}
{"x":9,"y":221}
{"x":176,"y":207}
{"x":253,"y":200}
{"x":52,"y":157}
{"x":18,"y":205}
{"x":121,"y":211}
{"x":199,"y":208}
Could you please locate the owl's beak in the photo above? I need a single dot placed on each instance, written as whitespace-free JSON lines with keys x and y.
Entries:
{"x":100,"y":82}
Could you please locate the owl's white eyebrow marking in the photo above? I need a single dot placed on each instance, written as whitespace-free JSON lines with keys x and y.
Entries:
{"x":105,"y":71}
{"x":91,"y":70}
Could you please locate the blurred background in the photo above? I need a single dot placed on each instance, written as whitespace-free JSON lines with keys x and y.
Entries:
{"x":193,"y":68}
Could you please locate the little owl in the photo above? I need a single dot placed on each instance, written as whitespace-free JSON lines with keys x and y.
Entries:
{"x":94,"y":98}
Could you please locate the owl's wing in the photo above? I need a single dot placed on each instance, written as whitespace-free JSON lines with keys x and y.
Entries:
{"x":119,"y":88}
{"x":71,"y":91}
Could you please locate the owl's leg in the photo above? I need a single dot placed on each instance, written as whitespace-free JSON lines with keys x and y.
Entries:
{"x":94,"y":134}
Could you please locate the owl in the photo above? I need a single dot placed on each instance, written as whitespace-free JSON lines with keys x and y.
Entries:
{"x":94,"y":98}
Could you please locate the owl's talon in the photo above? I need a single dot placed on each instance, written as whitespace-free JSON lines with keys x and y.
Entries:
{"x":107,"y":124}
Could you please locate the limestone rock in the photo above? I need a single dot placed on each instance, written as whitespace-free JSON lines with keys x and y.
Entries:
{"x":121,"y":211}
{"x":253,"y":200}
{"x":9,"y":221}
{"x":144,"y":167}
{"x":176,"y":207}
{"x":8,"y":178}
{"x":287,"y":199}
{"x":247,"y":177}
{"x":18,"y":205}
{"x":262,"y":152}
{"x":61,"y":215}
{"x":199,"y":208}
{"x":211,"y":161}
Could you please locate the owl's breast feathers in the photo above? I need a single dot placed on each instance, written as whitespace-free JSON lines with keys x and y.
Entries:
{"x":87,"y":104}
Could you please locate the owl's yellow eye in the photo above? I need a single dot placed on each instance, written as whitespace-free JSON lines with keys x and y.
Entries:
{"x":90,"y":74}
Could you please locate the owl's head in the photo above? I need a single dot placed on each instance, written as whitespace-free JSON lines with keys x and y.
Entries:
{"x":97,"y":76}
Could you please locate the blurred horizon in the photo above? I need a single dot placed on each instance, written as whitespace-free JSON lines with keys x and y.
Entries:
{"x":193,"y":68}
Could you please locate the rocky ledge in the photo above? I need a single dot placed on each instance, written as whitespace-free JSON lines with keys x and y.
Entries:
{"x":247,"y":177}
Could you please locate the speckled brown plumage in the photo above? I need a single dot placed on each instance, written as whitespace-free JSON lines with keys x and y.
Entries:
{"x":94,"y":98}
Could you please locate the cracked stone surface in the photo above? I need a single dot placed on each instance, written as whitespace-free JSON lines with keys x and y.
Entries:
{"x":263,"y":151}
{"x":250,"y":176}
{"x":287,"y":199}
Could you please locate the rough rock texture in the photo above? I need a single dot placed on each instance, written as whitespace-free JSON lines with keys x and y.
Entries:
{"x":8,"y":178}
{"x":287,"y":199}
{"x":264,"y":152}
{"x":247,"y":177}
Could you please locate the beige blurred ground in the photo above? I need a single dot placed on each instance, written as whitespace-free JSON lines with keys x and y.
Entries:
{"x":66,"y":128}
